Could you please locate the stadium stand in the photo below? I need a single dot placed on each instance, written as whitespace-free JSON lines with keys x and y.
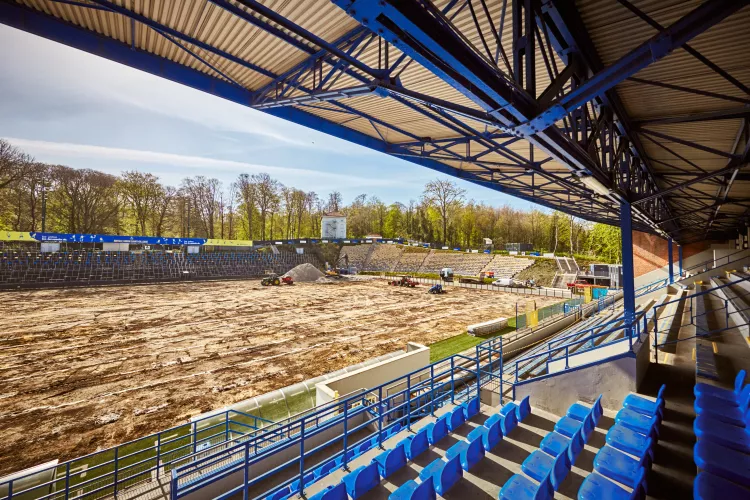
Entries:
{"x":507,"y":267}
{"x":384,"y":257}
{"x":82,"y":267}
{"x":411,"y":260}
{"x":357,"y":255}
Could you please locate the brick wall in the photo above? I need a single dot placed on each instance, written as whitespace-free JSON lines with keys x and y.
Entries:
{"x":650,"y":252}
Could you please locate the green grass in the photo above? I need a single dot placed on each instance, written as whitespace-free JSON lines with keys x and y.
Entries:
{"x":459,"y":343}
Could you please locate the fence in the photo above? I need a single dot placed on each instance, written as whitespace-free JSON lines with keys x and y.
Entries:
{"x":539,"y":292}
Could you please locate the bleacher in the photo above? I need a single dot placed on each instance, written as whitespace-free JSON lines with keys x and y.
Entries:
{"x":81,"y":267}
{"x":384,"y":257}
{"x":505,"y":266}
{"x":411,"y":261}
{"x":357,"y":255}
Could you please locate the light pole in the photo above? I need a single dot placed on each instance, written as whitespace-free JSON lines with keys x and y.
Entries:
{"x":44,"y":206}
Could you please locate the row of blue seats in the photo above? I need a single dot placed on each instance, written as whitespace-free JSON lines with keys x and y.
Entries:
{"x":628,"y":453}
{"x":332,"y":465}
{"x":441,"y":474}
{"x":722,"y":452}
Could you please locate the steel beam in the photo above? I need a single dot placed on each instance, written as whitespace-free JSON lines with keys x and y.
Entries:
{"x":628,"y":272}
{"x":671,"y":259}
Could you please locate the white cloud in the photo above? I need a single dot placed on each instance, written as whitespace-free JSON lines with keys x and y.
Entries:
{"x":293,"y":176}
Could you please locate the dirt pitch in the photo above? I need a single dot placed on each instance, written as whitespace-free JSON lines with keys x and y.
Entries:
{"x":146,"y":358}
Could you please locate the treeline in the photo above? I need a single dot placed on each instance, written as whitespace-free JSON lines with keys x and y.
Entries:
{"x":259,"y":207}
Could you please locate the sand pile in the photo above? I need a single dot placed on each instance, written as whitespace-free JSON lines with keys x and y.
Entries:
{"x":305,"y":273}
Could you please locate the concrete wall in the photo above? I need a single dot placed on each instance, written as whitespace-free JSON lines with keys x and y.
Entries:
{"x":650,"y":255}
{"x":555,"y":393}
{"x":415,"y":357}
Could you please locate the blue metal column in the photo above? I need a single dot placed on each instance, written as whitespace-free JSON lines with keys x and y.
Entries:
{"x":628,"y":278}
{"x":679,"y":259}
{"x":671,"y":260}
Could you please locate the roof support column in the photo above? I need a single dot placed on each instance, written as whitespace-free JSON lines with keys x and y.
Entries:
{"x":628,"y":277}
{"x":671,"y":265}
{"x":679,"y":260}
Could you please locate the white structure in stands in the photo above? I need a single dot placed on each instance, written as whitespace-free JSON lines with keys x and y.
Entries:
{"x":333,"y":225}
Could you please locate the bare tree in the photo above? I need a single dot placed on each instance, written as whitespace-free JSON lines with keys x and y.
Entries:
{"x":267,"y":198}
{"x":203,"y":194}
{"x":247,"y":197}
{"x":335,"y":201}
{"x":444,"y":195}
{"x":13,"y":163}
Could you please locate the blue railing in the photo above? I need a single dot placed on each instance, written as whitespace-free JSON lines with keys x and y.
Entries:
{"x":105,"y":473}
{"x":397,"y":402}
{"x":651,"y":287}
{"x":709,"y":264}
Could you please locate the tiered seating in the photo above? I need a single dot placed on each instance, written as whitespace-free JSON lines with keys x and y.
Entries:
{"x":722,"y":452}
{"x":443,"y":473}
{"x":628,"y":453}
{"x":384,"y":257}
{"x":472,"y":264}
{"x":437,"y":260}
{"x":357,"y":255}
{"x":101,"y":267}
{"x":505,"y":266}
{"x":411,"y":261}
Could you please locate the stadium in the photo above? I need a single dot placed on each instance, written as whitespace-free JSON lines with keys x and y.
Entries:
{"x":323,"y":360}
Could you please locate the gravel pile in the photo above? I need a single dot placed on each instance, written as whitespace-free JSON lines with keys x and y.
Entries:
{"x":305,"y":273}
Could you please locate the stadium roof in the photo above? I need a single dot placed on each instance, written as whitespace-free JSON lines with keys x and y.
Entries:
{"x":577,"y":106}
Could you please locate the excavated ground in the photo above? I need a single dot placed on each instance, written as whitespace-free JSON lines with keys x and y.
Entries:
{"x":86,"y":369}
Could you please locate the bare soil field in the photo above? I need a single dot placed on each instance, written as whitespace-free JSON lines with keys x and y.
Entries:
{"x":86,"y":369}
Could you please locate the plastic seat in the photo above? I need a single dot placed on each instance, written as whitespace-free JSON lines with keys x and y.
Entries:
{"x":579,"y":412}
{"x":362,"y":480}
{"x":444,"y":474}
{"x":410,"y":490}
{"x":539,"y":466}
{"x":470,"y":408}
{"x":722,"y":461}
{"x":391,"y":460}
{"x":646,"y":406}
{"x":509,"y":407}
{"x":280,"y":493}
{"x":437,"y":430}
{"x":645,"y":424}
{"x":491,"y":436}
{"x":719,"y":392}
{"x":737,"y":438}
{"x":555,"y":444}
{"x":457,"y":419}
{"x":508,"y":422}
{"x":523,"y":410}
{"x":469,"y":452}
{"x":598,"y":487}
{"x":337,"y":492}
{"x":568,"y":426}
{"x":710,"y":487}
{"x":416,"y":445}
{"x":520,"y":487}
{"x":492,"y":419}
{"x":618,"y":466}
{"x":629,"y":441}
{"x":307,"y":480}
{"x":726,"y":411}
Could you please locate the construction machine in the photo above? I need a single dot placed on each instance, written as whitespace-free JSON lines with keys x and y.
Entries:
{"x":436,"y":289}
{"x":275,"y":280}
{"x":403,"y":281}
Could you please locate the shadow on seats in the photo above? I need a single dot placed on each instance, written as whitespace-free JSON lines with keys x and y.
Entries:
{"x":509,"y":451}
{"x":402,"y":475}
{"x":464,"y":490}
{"x":572,"y":483}
{"x":426,"y":458}
{"x":492,"y":472}
{"x":525,"y":436}
{"x":540,"y":422}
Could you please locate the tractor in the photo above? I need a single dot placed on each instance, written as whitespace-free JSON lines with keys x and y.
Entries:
{"x":436,"y":289}
{"x":403,"y":281}
{"x":275,"y":280}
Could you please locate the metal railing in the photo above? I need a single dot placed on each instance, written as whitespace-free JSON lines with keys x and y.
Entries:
{"x":709,"y":264}
{"x":538,"y":292}
{"x":105,"y":473}
{"x":397,"y":402}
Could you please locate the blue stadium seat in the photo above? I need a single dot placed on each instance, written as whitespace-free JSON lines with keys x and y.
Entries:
{"x":410,"y":490}
{"x":509,"y":421}
{"x":471,"y":408}
{"x":618,"y":466}
{"x":520,"y":487}
{"x":709,"y":487}
{"x":470,"y":452}
{"x":337,"y":492}
{"x":719,"y":392}
{"x":737,"y":438}
{"x":507,"y":409}
{"x":645,"y":424}
{"x":723,"y":410}
{"x":556,"y":444}
{"x":416,"y":445}
{"x":391,"y":460}
{"x":457,"y":419}
{"x":491,"y":436}
{"x":579,"y":412}
{"x":362,"y":480}
{"x":280,"y":493}
{"x":646,"y":406}
{"x":722,"y":461}
{"x":307,"y":480}
{"x":598,"y":487}
{"x":539,"y":466}
{"x":444,"y":474}
{"x":523,"y":410}
{"x":326,"y":468}
{"x":629,"y":441}
{"x":437,"y":430}
{"x":569,"y":426}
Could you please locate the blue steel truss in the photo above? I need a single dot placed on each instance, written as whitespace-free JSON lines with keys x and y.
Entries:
{"x":577,"y":121}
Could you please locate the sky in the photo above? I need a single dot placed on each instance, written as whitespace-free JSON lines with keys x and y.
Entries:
{"x":68,"y":107}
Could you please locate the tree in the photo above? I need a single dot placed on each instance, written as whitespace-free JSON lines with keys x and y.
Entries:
{"x":267,"y":197}
{"x":444,"y":195}
{"x":334,"y":202}
{"x":141,"y":192}
{"x":13,"y":163}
